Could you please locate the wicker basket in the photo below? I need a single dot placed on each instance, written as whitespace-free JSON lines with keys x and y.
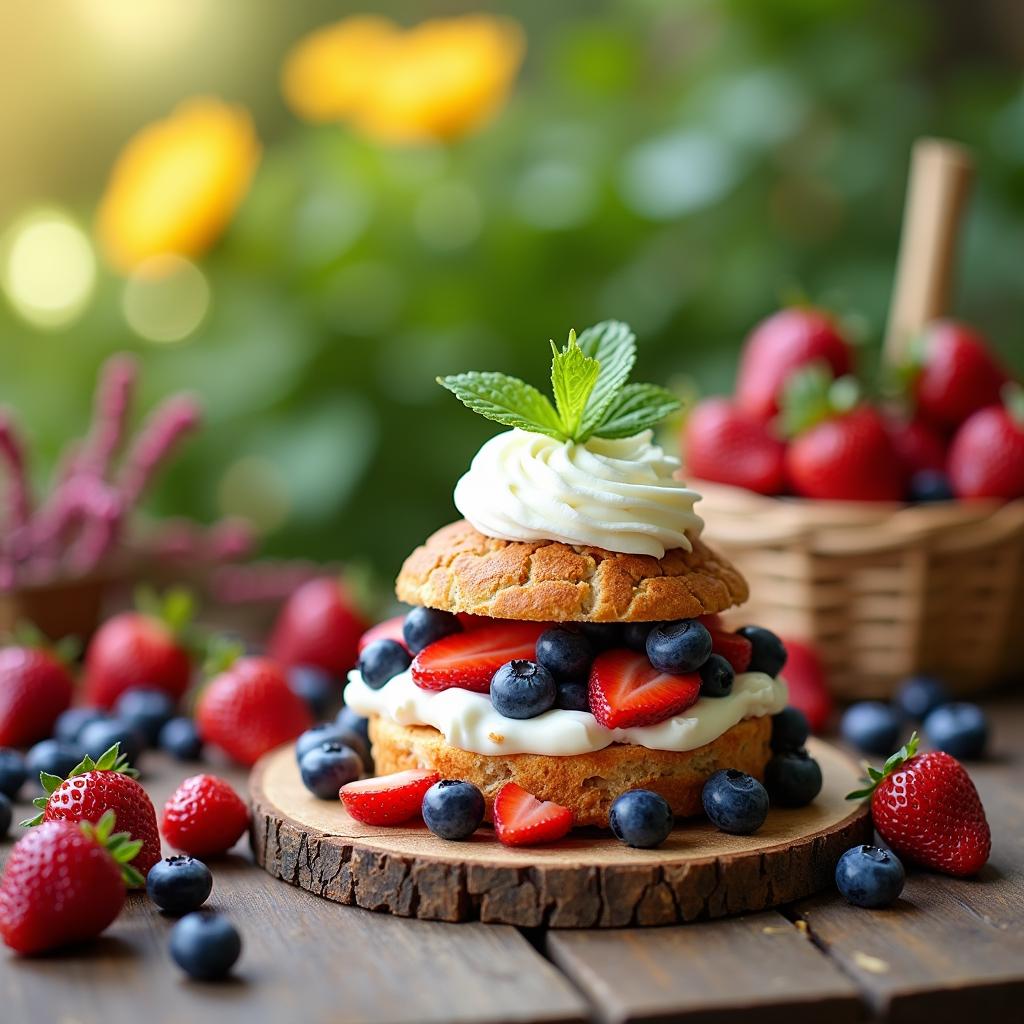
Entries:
{"x":881,"y":591}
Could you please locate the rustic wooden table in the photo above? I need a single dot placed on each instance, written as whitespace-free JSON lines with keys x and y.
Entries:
{"x":949,"y":950}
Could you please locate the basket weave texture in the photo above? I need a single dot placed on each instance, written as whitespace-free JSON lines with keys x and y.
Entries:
{"x":881,"y":591}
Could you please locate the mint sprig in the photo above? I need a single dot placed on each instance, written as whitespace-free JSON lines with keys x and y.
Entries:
{"x":588,"y":380}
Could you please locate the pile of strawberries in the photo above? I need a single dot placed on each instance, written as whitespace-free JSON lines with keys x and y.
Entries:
{"x":951,"y":425}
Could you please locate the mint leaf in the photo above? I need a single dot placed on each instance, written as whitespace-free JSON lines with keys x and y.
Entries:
{"x":573,"y":376}
{"x":636,"y":407}
{"x":506,"y":400}
{"x":613,"y":344}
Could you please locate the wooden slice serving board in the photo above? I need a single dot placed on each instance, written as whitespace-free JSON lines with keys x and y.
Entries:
{"x":588,"y":880}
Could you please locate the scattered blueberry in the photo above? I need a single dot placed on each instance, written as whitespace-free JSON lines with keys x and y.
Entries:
{"x":678,"y":647}
{"x":97,"y":737}
{"x":792,"y":778}
{"x":634,"y":635}
{"x":179,"y":885}
{"x":641,"y":818}
{"x":918,"y":696}
{"x":70,"y":723}
{"x":317,"y":735}
{"x":523,"y":689}
{"x":205,"y":945}
{"x":319,"y":689}
{"x":53,"y":757}
{"x":790,"y":729}
{"x":768,"y":652}
{"x":960,"y":729}
{"x":716,"y":677}
{"x":735,"y":802}
{"x":872,"y":727}
{"x":603,"y":635}
{"x":6,"y":815}
{"x":328,"y":767}
{"x":146,"y":710}
{"x":573,"y":696}
{"x":180,"y":738}
{"x":453,"y":809}
{"x":349,"y":719}
{"x":928,"y":485}
{"x":424,"y":626}
{"x":565,"y":653}
{"x":381,"y":661}
{"x":13,"y":772}
{"x":868,"y":876}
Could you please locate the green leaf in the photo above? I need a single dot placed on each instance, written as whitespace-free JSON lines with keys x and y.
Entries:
{"x":177,"y":609}
{"x":125,"y":849}
{"x":506,"y":400}
{"x":32,"y":822}
{"x":132,"y":877}
{"x":613,"y":344}
{"x":636,"y":407}
{"x":50,"y":783}
{"x":573,"y":376}
{"x":222,"y":653}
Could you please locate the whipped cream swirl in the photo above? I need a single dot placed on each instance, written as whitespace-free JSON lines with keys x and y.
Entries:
{"x":620,"y":495}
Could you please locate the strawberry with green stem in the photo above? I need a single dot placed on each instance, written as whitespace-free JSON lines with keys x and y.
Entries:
{"x":986,"y":458}
{"x":35,"y":685}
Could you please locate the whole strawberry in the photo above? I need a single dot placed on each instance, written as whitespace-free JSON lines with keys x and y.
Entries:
{"x":204,"y":817}
{"x":249,"y":709}
{"x":953,"y":373}
{"x":808,"y":688}
{"x":95,"y":787}
{"x":35,"y":687}
{"x":986,"y":458}
{"x":927,"y":809}
{"x":319,"y":625}
{"x":919,"y":445}
{"x":65,"y":883}
{"x":779,"y":346}
{"x":136,"y":649}
{"x":728,"y":446}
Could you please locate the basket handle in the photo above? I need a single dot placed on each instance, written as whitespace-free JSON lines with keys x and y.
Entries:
{"x":940,"y":180}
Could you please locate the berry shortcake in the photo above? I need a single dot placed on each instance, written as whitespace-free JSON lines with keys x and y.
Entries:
{"x":565,"y":634}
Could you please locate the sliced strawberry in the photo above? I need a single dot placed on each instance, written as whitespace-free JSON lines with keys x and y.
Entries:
{"x":626,"y":690}
{"x":389,"y":629}
{"x":736,"y":649}
{"x":468,"y":660}
{"x":387,"y":799}
{"x":469,"y":622}
{"x":520,"y":819}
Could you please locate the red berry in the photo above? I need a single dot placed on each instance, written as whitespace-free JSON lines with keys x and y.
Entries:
{"x":778,"y":346}
{"x":250,"y":709}
{"x":736,"y":649}
{"x":520,"y":819}
{"x":389,"y":629}
{"x":986,"y":458}
{"x":204,"y":817}
{"x":728,"y":446}
{"x":387,"y":799}
{"x":470,"y":659}
{"x":918,"y":445}
{"x":808,"y":689}
{"x":627,"y":691}
{"x":35,"y":687}
{"x":320,"y":626}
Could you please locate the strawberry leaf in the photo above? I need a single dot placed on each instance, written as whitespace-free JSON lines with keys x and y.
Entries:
{"x":875,"y":775}
{"x":50,"y":783}
{"x":573,"y":376}
{"x":32,"y":822}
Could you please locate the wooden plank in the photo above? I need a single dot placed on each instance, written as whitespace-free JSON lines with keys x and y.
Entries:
{"x":714,"y":971}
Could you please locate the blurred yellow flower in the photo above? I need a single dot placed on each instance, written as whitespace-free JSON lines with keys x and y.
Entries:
{"x":177,"y":183}
{"x":439,"y":80}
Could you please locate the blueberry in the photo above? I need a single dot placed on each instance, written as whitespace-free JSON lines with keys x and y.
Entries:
{"x":52,"y":757}
{"x":6,"y":815}
{"x":453,"y":809}
{"x":928,"y":485}
{"x":735,"y":802}
{"x":205,"y":945}
{"x":678,"y":647}
{"x":634,"y":635}
{"x":523,"y":689}
{"x":573,"y":696}
{"x":716,"y":677}
{"x":381,"y":661}
{"x":179,"y":885}
{"x":768,"y":652}
{"x":918,"y":696}
{"x":868,"y":876}
{"x":319,"y":689}
{"x":146,"y":710}
{"x":959,"y":729}
{"x":641,"y":818}
{"x":325,"y":732}
{"x":792,"y":778}
{"x":424,"y":626}
{"x":565,"y":653}
{"x":790,"y":729}
{"x":349,"y":719}
{"x":13,"y":772}
{"x":872,"y":727}
{"x":328,"y":767}
{"x":70,"y":723}
{"x":97,"y":737}
{"x":603,"y":635}
{"x":180,"y":738}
